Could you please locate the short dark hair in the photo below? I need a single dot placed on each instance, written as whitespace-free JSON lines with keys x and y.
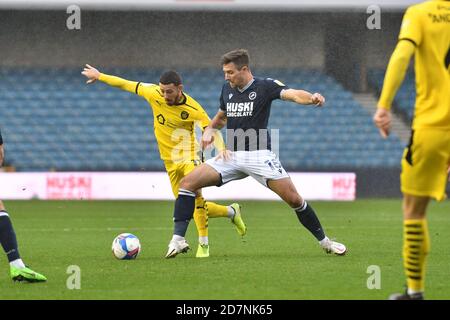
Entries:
{"x":169,"y":77}
{"x":239,"y":57}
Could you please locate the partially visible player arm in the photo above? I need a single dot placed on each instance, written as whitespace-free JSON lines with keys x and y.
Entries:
{"x":216,"y":135}
{"x":217,"y":123}
{"x":2,"y":154}
{"x":302,"y":97}
{"x":395,"y":73}
{"x":219,"y":144}
{"x":93,"y":75}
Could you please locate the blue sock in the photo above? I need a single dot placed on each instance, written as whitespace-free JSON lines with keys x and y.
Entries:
{"x":310,"y":221}
{"x":8,"y":237}
{"x":184,"y":211}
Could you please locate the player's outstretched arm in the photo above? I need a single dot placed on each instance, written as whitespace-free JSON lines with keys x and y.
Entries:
{"x":303,"y":97}
{"x":92,"y":74}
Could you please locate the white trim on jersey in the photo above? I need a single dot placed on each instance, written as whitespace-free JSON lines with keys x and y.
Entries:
{"x":246,"y":86}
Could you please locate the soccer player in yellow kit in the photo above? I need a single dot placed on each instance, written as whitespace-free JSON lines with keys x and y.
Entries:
{"x":175,"y":115}
{"x":425,"y":33}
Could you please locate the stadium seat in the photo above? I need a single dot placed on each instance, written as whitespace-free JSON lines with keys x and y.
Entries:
{"x":64,"y":125}
{"x":405,"y":98}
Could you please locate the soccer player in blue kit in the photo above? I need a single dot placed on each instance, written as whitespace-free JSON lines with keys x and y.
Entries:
{"x":18,"y":270}
{"x":245,"y":104}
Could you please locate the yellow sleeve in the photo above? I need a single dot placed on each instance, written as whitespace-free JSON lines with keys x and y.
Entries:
{"x":395,"y":72}
{"x":145,"y":90}
{"x":411,"y":28}
{"x":202,"y":117}
{"x":148,"y":91}
{"x":120,"y":83}
{"x":204,"y":120}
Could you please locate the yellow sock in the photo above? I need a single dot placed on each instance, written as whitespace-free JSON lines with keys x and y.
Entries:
{"x":416,"y":245}
{"x":216,"y":210}
{"x":201,"y":217}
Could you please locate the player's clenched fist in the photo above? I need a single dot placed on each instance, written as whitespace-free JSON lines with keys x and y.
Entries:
{"x":317,"y":99}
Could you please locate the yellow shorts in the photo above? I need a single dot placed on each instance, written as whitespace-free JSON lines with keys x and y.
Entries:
{"x":177,"y":171}
{"x":425,"y":162}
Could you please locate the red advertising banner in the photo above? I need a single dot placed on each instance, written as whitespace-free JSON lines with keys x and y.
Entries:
{"x":70,"y":186}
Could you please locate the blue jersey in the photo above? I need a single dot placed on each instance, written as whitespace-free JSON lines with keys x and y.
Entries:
{"x":1,"y":139}
{"x":248,"y":113}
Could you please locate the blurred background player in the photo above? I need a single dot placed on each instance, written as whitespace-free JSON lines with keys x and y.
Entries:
{"x":18,"y":270}
{"x":245,"y":104}
{"x":175,"y":115}
{"x":425,"y":33}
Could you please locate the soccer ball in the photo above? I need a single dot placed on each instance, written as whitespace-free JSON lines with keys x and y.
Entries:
{"x":126,"y":246}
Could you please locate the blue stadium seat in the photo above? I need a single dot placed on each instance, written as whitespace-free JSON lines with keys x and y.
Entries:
{"x":405,"y":98}
{"x":65,"y":125}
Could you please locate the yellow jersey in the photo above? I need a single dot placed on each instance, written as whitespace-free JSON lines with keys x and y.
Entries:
{"x":174,"y":126}
{"x":427,"y":26}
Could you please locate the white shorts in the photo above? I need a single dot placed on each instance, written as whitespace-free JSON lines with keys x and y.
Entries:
{"x":262,"y":165}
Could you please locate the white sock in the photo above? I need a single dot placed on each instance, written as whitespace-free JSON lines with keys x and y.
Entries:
{"x":18,"y":263}
{"x":231,"y":212}
{"x":324,"y":241}
{"x":411,"y":291}
{"x":203,"y":240}
{"x":177,"y":237}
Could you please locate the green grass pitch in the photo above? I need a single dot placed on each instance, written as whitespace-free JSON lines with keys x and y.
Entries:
{"x":278,"y":259}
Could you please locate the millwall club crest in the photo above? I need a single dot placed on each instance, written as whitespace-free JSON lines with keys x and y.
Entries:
{"x":252,"y":95}
{"x":184,"y":115}
{"x":230,"y":96}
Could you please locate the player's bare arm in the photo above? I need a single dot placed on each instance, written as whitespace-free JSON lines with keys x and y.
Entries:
{"x":217,"y":123}
{"x":2,"y":155}
{"x":303,"y":97}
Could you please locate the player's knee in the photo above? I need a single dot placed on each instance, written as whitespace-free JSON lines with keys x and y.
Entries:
{"x":414,"y":207}
{"x":294,"y":200}
{"x":414,"y":213}
{"x":187,"y":184}
{"x":198,"y":195}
